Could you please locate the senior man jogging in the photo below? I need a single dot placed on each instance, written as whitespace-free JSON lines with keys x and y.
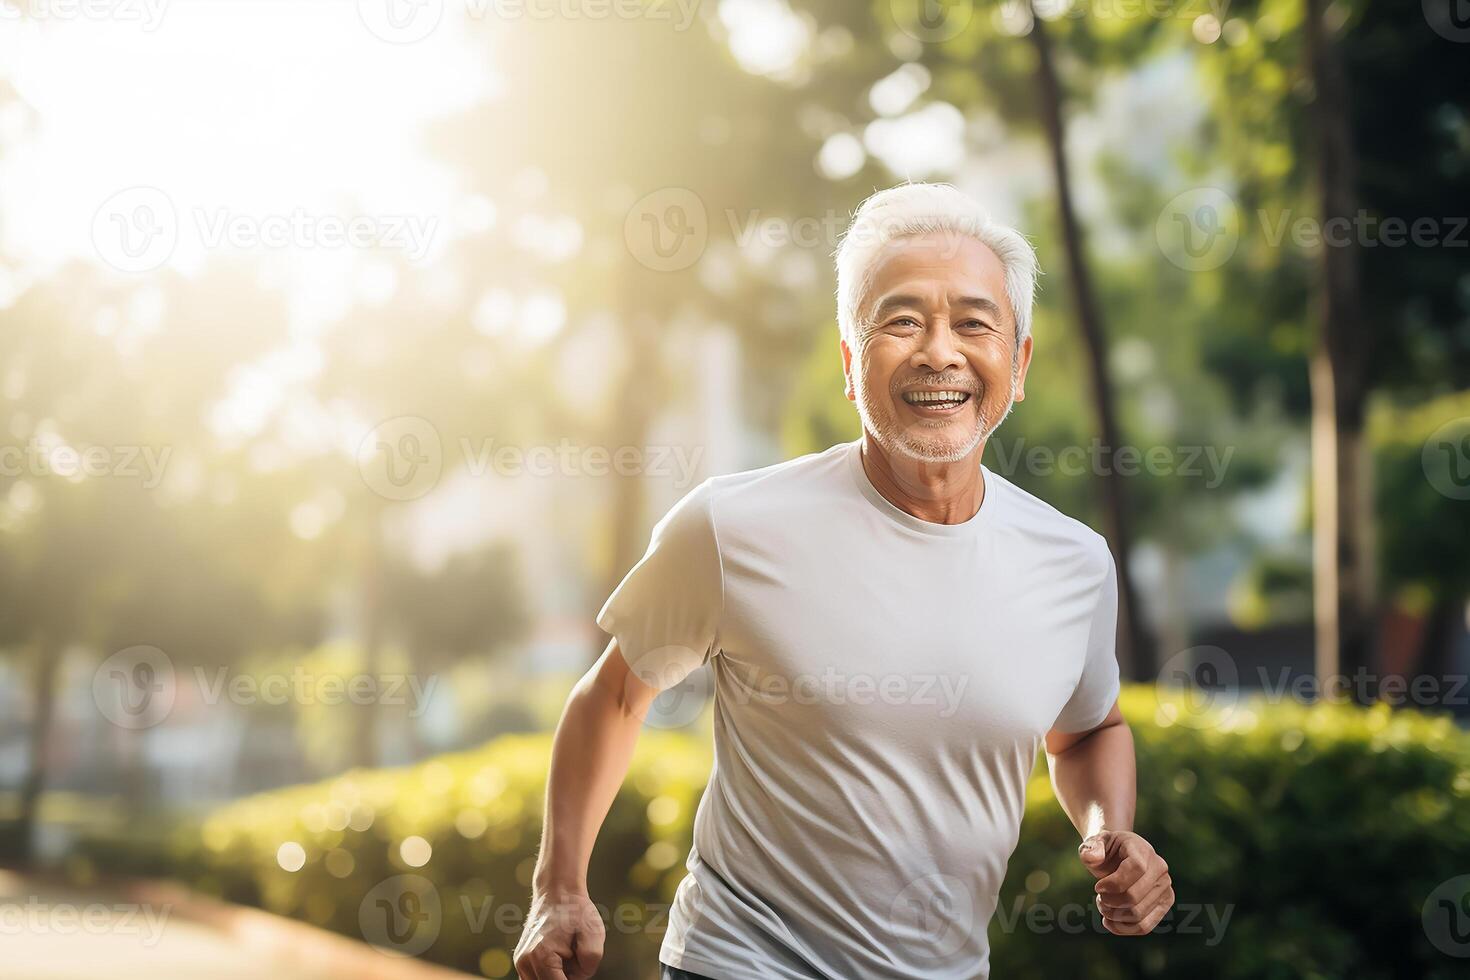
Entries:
{"x":893,"y":631}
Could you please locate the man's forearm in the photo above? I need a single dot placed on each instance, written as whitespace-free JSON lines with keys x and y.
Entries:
{"x":1095,"y":780}
{"x":590,"y":756}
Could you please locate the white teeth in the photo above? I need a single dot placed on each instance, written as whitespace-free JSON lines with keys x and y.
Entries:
{"x":932,"y":397}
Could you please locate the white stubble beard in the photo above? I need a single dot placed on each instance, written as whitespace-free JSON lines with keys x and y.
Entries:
{"x":898,"y":440}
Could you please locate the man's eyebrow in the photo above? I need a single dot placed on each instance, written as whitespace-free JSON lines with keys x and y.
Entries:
{"x":978,"y":302}
{"x":905,"y":301}
{"x":892,"y":303}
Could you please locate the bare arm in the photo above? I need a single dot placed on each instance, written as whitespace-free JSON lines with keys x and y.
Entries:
{"x":590,"y":755}
{"x":1093,"y":774}
{"x":1095,"y":779}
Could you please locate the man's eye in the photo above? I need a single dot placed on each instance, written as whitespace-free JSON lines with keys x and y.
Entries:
{"x":973,"y":325}
{"x":905,"y":322}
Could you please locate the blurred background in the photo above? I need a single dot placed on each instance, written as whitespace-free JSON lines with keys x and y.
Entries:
{"x":350,"y":350}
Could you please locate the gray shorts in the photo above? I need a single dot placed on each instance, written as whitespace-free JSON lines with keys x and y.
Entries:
{"x":667,"y":972}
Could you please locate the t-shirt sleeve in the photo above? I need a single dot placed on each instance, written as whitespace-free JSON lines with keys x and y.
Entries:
{"x":1098,"y":686}
{"x":666,"y":612}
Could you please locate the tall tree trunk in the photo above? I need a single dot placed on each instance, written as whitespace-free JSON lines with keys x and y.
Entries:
{"x":366,"y":717}
{"x":46,"y":665}
{"x":1342,"y":557}
{"x":1134,"y":654}
{"x":636,"y":406}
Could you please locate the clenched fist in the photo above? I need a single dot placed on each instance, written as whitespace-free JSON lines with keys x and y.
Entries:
{"x":562,"y":940}
{"x":1134,"y":890}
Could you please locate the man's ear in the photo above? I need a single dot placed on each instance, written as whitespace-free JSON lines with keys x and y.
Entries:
{"x":1025,"y":362}
{"x":847,"y":370}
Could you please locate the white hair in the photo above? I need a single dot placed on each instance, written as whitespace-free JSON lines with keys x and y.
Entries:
{"x":911,"y":209}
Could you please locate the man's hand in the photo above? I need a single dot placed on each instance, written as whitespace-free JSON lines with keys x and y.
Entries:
{"x":562,"y":939}
{"x":1134,"y":890}
{"x":589,"y":758}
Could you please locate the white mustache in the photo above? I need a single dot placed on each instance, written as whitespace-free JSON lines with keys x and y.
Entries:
{"x":949,"y":383}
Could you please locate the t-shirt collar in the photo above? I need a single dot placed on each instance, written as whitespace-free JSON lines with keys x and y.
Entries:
{"x":982,"y":517}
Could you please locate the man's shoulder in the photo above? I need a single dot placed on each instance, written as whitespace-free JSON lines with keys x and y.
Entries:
{"x":777,"y":478}
{"x":778,"y":486}
{"x":1043,"y":524}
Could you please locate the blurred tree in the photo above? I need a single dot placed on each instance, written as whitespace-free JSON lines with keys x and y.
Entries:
{"x":471,"y":606}
{"x":424,"y":355}
{"x":1134,"y":651}
{"x":1341,"y":511}
{"x":1424,"y":522}
{"x":1390,"y":315}
{"x":684,"y":181}
{"x":142,"y":551}
{"x":1412,"y":132}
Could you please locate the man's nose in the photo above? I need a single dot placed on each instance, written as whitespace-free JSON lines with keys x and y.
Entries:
{"x":938,"y":351}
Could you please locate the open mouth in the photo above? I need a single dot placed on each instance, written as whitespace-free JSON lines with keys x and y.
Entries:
{"x":936,"y":401}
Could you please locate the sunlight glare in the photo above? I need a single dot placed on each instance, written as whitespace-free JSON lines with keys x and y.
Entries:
{"x":335,"y":129}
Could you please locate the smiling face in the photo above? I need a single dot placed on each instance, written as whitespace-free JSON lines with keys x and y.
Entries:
{"x":937,"y":367}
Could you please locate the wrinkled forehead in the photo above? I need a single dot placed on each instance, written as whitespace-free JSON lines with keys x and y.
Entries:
{"x":933,"y":268}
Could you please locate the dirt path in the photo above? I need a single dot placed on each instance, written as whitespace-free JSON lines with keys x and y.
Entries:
{"x":146,"y":931}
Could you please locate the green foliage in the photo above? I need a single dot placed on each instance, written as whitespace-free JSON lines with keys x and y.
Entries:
{"x":818,"y":414}
{"x":473,"y":603}
{"x":1424,"y":530}
{"x":480,"y":813}
{"x":1313,"y":835}
{"x":1274,"y":589}
{"x":1320,"y":831}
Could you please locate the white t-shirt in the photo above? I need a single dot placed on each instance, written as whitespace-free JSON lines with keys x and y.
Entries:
{"x":882,"y":686}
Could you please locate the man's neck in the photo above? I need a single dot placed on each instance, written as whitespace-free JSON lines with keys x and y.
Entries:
{"x":940,"y":493}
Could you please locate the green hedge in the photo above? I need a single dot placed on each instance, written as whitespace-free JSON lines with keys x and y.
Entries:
{"x":1312,"y":835}
{"x":1320,"y":831}
{"x":480,"y":814}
